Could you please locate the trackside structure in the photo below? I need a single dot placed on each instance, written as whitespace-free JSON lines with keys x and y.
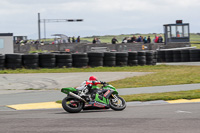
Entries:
{"x":6,"y":43}
{"x":177,"y":33}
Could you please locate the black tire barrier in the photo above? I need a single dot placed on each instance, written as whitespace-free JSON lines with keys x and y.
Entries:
{"x":121,"y":59}
{"x":63,"y":56}
{"x":132,"y":58}
{"x":2,"y":62}
{"x":161,"y":56}
{"x":109,"y":59}
{"x":80,"y":60}
{"x":141,"y":53}
{"x":13,"y":61}
{"x":150,"y":56}
{"x":195,"y":55}
{"x":141,"y":58}
{"x":141,"y":62}
{"x":177,"y":55}
{"x":95,"y":59}
{"x":185,"y":55}
{"x":30,"y":61}
{"x":132,"y":62}
{"x":47,"y":60}
{"x":169,"y":56}
{"x":64,"y":60}
{"x":64,"y":65}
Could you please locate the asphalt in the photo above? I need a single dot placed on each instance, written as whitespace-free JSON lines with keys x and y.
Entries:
{"x":47,"y":81}
{"x":158,"y":89}
{"x":54,"y":95}
{"x":165,"y":118}
{"x":181,"y":63}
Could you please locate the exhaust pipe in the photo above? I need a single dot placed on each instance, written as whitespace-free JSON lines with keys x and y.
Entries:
{"x":76,"y":96}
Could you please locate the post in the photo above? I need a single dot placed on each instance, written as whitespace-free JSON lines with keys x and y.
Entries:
{"x":44,"y":30}
{"x":39,"y":27}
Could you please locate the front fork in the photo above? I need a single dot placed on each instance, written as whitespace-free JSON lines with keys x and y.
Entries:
{"x":116,"y":99}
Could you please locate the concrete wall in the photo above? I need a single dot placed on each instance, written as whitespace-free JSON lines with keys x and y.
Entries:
{"x":6,"y":45}
{"x":83,"y":47}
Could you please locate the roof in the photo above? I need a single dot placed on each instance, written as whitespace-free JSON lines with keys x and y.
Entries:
{"x":176,"y":24}
{"x":6,"y":34}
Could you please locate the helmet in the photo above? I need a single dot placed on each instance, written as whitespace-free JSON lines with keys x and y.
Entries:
{"x":92,"y":78}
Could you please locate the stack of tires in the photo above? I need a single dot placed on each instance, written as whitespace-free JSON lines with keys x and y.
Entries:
{"x":150,"y":58}
{"x":169,"y":56}
{"x":161,"y":56}
{"x":155,"y":57}
{"x":2,"y":61}
{"x":195,"y":55}
{"x":30,"y":61}
{"x":64,"y":60}
{"x":121,"y":59}
{"x":177,"y":56}
{"x":80,"y":60}
{"x":141,"y":58}
{"x":47,"y":60}
{"x":109,"y":59}
{"x":95,"y":59}
{"x":185,"y":55}
{"x":133,"y":58}
{"x":13,"y":61}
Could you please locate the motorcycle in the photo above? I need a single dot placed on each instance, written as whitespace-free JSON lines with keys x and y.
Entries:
{"x":92,"y":97}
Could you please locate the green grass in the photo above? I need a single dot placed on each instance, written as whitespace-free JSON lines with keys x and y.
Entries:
{"x":196,"y":45}
{"x":108,"y":38}
{"x":194,"y":38}
{"x":163,"y":74}
{"x":192,"y":94}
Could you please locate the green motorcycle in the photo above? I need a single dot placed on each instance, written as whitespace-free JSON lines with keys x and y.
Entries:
{"x":92,"y":97}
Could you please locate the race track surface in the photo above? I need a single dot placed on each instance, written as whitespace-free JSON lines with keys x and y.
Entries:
{"x":166,"y":118}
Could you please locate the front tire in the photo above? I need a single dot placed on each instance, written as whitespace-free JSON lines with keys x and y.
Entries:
{"x":72,"y":105}
{"x":117,"y":103}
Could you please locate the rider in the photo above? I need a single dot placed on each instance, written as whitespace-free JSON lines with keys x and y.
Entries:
{"x":89,"y":83}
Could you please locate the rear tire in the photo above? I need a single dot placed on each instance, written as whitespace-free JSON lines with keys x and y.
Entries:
{"x":75,"y":107}
{"x":117,"y":106}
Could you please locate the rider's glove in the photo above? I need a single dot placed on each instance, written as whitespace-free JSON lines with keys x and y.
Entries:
{"x":103,"y":82}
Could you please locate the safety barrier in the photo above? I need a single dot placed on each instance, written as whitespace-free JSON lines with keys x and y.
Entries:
{"x":185,"y":55}
{"x":90,"y":59}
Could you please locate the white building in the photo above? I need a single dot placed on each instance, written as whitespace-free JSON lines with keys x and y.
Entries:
{"x":6,"y":43}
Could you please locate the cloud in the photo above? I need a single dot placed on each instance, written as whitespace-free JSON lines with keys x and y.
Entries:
{"x":100,"y":16}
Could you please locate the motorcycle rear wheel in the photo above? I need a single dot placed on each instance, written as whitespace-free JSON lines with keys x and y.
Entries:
{"x":117,"y":105}
{"x":72,"y":105}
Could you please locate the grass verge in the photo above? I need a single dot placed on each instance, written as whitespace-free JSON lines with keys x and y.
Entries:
{"x":192,"y":94}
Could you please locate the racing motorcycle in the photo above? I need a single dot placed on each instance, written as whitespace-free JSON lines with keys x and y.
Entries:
{"x":92,"y":97}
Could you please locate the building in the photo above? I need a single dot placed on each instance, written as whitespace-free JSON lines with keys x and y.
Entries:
{"x":6,"y":43}
{"x":177,"y":33}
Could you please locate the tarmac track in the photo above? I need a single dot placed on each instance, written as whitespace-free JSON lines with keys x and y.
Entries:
{"x":166,"y":118}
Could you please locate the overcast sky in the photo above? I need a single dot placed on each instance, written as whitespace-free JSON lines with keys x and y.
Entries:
{"x":101,"y":17}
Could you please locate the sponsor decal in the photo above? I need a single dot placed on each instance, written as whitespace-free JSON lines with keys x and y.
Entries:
{"x":98,"y":105}
{"x":106,"y":93}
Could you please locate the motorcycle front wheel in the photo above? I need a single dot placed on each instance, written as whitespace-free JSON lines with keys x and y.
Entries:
{"x":72,"y":105}
{"x":117,"y":103}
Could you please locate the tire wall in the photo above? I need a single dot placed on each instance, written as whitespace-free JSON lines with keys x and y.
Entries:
{"x":67,"y":60}
{"x":186,"y":55}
